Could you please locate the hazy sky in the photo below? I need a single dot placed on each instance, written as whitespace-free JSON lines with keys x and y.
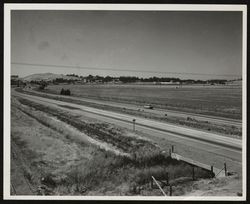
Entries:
{"x":159,"y":41}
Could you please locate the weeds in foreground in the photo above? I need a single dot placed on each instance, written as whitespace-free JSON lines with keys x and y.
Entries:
{"x":107,"y":169}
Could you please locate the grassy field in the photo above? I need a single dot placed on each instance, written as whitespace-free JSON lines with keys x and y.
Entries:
{"x":224,"y":101}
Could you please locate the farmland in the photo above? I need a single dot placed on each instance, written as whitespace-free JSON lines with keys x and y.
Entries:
{"x":222,"y":101}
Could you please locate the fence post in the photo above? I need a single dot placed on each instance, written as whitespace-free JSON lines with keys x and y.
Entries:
{"x":225,"y":167}
{"x":170,"y":153}
{"x":159,"y":186}
{"x":170,"y":190}
{"x":193,"y":173}
{"x":173,"y":148}
{"x":167,"y":179}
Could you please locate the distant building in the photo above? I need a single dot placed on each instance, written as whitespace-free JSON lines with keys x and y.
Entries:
{"x":14,"y":77}
{"x":15,"y":80}
{"x":167,"y":83}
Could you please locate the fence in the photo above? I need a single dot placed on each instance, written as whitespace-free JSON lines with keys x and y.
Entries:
{"x":215,"y":172}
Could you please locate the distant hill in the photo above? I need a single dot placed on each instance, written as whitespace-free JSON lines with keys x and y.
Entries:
{"x":48,"y":77}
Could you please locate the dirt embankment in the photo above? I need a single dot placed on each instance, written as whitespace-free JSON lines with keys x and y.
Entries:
{"x":37,"y":152}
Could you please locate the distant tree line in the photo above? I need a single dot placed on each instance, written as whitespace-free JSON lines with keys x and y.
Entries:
{"x":73,"y":75}
{"x":62,"y":80}
{"x":130,"y":79}
{"x":17,"y":83}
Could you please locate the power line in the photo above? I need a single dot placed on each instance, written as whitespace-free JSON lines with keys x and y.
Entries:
{"x":122,"y":70}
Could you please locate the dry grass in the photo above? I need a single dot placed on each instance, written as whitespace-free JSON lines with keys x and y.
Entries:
{"x":219,"y":101}
{"x":40,"y":150}
{"x":107,"y":171}
{"x":95,"y":130}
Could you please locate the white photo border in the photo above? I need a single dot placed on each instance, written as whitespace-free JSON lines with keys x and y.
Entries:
{"x":121,"y":7}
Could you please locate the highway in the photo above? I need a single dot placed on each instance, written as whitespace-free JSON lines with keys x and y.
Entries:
{"x":206,"y":141}
{"x":158,"y":111}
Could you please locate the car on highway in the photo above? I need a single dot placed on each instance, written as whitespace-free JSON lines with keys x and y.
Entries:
{"x":148,"y":106}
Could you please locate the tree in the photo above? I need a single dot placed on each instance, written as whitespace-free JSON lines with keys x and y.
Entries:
{"x":65,"y":92}
{"x":62,"y":92}
{"x":42,"y":86}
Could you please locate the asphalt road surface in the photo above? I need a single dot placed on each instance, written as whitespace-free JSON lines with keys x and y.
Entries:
{"x":209,"y":142}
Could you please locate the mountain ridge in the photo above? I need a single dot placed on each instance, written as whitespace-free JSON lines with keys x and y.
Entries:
{"x":47,"y":77}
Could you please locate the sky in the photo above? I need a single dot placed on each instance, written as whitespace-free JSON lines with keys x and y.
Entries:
{"x":160,"y":42}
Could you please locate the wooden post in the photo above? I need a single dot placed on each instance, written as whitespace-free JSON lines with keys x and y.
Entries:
{"x":173,"y":148}
{"x":225,"y":167}
{"x":159,"y":186}
{"x":170,"y":190}
{"x":193,"y":173}
{"x":212,"y":171}
{"x":167,"y":179}
{"x":170,"y":153}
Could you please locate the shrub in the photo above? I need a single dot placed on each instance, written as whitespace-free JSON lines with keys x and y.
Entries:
{"x":48,"y":180}
{"x":65,"y":92}
{"x":62,"y":92}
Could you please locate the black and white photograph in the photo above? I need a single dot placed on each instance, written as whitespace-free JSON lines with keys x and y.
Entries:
{"x":125,"y":101}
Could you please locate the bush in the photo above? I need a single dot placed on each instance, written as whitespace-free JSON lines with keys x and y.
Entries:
{"x":65,"y":92}
{"x":48,"y":180}
{"x":42,"y":86}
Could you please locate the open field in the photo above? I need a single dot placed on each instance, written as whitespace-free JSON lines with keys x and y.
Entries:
{"x":223,"y":101}
{"x":75,"y":154}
